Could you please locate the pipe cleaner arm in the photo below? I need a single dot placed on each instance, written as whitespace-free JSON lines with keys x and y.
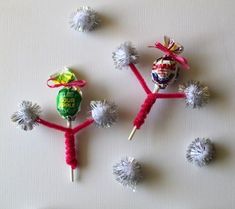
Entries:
{"x":83,"y":125}
{"x":126,"y":56}
{"x":52,"y":125}
{"x":140,"y":78}
{"x":28,"y":116}
{"x":177,"y":95}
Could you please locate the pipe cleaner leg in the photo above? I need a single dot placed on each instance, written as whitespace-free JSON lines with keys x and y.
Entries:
{"x":144,"y":110}
{"x":70,"y":151}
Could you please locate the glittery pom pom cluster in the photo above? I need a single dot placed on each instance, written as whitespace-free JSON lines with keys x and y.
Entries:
{"x":200,"y":152}
{"x":124,"y":55}
{"x":84,"y":19}
{"x":197,"y":95}
{"x":104,"y":113}
{"x":128,"y":172}
{"x":26,"y":116}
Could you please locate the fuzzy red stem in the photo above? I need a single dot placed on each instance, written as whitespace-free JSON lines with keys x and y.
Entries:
{"x":148,"y":103}
{"x":144,"y":110}
{"x":140,"y":78}
{"x":170,"y":95}
{"x":70,"y":151}
{"x":52,"y":125}
{"x":85,"y":124}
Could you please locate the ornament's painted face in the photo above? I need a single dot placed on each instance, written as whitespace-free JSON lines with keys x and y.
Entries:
{"x":164,"y":72}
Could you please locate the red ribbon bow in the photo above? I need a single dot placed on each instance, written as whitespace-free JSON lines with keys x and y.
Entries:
{"x":181,"y":60}
{"x":76,"y":83}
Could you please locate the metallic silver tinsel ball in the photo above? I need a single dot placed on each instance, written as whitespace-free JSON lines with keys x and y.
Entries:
{"x":26,"y":116}
{"x":197,"y":95}
{"x":84,"y":19}
{"x":200,"y":152}
{"x":104,"y":113}
{"x":124,"y":55}
{"x":128,"y":172}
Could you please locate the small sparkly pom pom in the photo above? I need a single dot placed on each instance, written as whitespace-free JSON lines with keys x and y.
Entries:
{"x":104,"y":113}
{"x":124,"y":55}
{"x":26,"y":116}
{"x":200,"y":152}
{"x":128,"y":172}
{"x":197,"y":95}
{"x":84,"y":19}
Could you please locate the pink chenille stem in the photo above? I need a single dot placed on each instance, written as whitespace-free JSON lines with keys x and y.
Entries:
{"x":148,"y":103}
{"x":170,"y":95}
{"x":52,"y":125}
{"x":70,"y":151}
{"x":85,"y":124}
{"x":144,"y":110}
{"x":140,"y":78}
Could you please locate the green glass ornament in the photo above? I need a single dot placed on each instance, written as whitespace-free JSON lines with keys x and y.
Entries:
{"x":68,"y":103}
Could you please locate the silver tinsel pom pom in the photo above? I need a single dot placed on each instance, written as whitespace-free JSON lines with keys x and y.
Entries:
{"x":201,"y":151}
{"x":104,"y":113}
{"x":84,"y":19}
{"x":26,"y":116}
{"x":128,"y":172}
{"x":197,"y":95}
{"x":124,"y":55}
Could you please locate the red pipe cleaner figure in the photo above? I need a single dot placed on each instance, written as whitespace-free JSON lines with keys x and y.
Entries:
{"x":69,"y":98}
{"x":165,"y":71}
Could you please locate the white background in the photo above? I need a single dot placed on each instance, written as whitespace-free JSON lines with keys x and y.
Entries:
{"x":36,"y":41}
